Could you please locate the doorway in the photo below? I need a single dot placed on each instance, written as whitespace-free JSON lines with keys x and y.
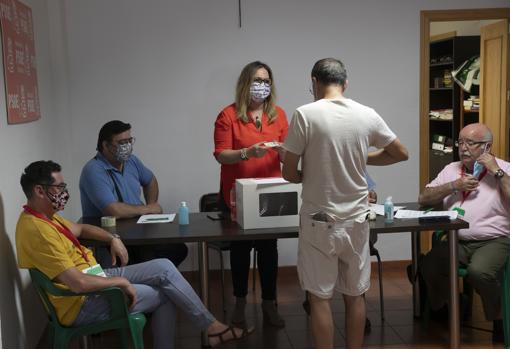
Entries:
{"x":427,"y":18}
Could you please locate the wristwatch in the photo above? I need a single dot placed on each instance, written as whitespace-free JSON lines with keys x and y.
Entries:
{"x":115,"y":236}
{"x":499,"y":173}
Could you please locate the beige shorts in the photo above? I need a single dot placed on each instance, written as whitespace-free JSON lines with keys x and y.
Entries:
{"x":334,"y":255}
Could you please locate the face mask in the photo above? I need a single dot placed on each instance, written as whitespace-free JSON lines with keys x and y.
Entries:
{"x":123,"y":151}
{"x":478,"y":167}
{"x":259,"y":91}
{"x":59,"y":201}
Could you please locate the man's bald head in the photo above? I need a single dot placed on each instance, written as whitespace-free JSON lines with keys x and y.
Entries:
{"x":476,"y":132}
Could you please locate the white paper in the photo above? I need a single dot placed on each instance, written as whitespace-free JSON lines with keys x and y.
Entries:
{"x":379,"y":209}
{"x":156,"y":218}
{"x":419,"y":214}
{"x":271,"y":144}
{"x":274,"y":180}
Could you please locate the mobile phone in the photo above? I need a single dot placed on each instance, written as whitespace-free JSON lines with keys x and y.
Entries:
{"x":216,"y":216}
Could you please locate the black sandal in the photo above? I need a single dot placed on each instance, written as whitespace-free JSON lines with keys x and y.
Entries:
{"x":246,"y":332}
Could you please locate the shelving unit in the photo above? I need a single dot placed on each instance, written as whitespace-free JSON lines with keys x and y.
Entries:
{"x":468,"y":116}
{"x":445,"y":95}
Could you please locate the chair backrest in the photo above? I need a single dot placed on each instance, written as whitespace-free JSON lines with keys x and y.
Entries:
{"x":209,"y":203}
{"x":43,"y":285}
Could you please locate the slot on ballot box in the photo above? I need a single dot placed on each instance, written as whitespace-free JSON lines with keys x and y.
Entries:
{"x":267,"y":203}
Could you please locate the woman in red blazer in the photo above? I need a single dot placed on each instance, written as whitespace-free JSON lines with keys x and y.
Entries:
{"x":240,"y":133}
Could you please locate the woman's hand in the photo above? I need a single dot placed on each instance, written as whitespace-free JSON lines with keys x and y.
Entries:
{"x":257,"y":150}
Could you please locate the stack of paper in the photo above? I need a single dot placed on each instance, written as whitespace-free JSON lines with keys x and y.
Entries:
{"x":156,"y":218}
{"x":422,"y":214}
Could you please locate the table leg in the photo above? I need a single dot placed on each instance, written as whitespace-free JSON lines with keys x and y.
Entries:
{"x":454,"y":290}
{"x":415,"y":253}
{"x":203,"y":268}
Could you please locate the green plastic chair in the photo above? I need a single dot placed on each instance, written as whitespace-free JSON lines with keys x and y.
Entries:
{"x":505,"y":302}
{"x":120,"y":318}
{"x":437,"y":236}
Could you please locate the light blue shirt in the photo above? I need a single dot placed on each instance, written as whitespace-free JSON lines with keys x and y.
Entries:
{"x":370,"y":182}
{"x":97,"y":189}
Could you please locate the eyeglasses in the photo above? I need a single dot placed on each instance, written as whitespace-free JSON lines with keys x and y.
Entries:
{"x":266,"y":82}
{"x":468,"y":143}
{"x":60,"y":187}
{"x":127,"y":140}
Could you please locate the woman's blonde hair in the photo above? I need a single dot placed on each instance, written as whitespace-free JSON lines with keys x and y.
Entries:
{"x":243,"y":97}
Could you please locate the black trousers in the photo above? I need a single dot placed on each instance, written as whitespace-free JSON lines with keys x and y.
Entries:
{"x":176,"y":253}
{"x":267,"y":262}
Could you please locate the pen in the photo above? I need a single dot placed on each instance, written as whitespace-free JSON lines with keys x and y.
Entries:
{"x":155,"y":219}
{"x":428,"y":210}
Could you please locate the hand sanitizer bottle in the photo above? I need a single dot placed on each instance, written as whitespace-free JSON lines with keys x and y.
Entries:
{"x":388,"y":210}
{"x":183,"y":214}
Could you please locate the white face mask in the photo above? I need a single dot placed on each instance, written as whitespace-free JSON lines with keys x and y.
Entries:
{"x":259,"y":91}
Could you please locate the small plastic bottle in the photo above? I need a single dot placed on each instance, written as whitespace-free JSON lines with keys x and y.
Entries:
{"x":183,"y":214}
{"x":233,"y":212}
{"x":388,"y":210}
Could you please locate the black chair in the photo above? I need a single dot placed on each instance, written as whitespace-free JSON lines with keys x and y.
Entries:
{"x":210,"y":203}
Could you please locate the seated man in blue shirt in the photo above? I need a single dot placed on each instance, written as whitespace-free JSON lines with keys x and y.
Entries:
{"x":111,"y":183}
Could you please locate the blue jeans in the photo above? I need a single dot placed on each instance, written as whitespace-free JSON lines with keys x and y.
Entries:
{"x":160,"y":288}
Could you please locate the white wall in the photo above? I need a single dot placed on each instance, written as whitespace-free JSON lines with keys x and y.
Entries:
{"x":168,"y":67}
{"x":21,"y":315}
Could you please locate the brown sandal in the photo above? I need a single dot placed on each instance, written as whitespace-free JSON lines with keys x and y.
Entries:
{"x":246,"y":332}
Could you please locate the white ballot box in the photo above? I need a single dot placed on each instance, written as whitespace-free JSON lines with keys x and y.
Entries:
{"x":267,"y":203}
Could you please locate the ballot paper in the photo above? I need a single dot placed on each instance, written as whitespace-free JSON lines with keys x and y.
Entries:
{"x":156,"y":218}
{"x":271,"y":144}
{"x":379,"y":209}
{"x":423,"y":214}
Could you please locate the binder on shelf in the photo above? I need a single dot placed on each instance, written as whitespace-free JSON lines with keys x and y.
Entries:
{"x":439,"y":138}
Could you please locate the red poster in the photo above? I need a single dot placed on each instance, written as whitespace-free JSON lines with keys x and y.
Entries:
{"x":20,"y":72}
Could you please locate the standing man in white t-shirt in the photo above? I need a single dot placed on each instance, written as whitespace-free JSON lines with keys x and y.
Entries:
{"x":332,"y":136}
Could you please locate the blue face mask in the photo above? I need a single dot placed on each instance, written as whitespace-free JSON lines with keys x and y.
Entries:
{"x":477,"y":169}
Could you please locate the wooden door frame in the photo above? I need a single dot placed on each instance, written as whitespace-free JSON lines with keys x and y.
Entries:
{"x":426,"y":17}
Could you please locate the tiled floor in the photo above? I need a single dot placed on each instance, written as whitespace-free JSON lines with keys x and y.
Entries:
{"x":399,"y":330}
